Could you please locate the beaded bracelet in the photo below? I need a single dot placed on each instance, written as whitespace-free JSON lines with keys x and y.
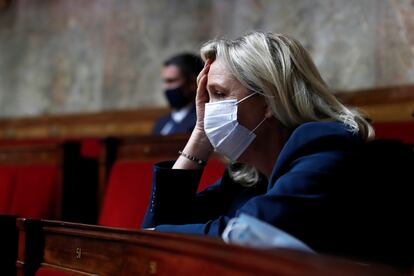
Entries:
{"x":192,"y":158}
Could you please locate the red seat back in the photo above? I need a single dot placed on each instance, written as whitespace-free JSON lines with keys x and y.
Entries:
{"x":212,"y":172}
{"x":127,"y":194}
{"x":403,"y":131}
{"x":35,"y":191}
{"x":7,"y":175}
{"x":129,"y":189}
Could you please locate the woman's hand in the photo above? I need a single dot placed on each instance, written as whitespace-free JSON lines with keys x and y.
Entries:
{"x":202,"y":96}
{"x":198,"y":145}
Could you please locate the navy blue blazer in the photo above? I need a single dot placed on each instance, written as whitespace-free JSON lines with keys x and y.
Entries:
{"x":185,"y":126}
{"x":314,"y":193}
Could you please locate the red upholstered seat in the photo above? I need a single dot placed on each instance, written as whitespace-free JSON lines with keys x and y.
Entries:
{"x":212,"y":172}
{"x":129,"y":188}
{"x":403,"y":131}
{"x":7,"y":175}
{"x":127,"y":194}
{"x":91,"y":148}
{"x":35,"y":191}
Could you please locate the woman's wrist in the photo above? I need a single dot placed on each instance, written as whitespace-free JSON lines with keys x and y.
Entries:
{"x":199,"y":147}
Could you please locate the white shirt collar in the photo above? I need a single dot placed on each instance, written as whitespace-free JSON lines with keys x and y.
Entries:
{"x":179,"y":115}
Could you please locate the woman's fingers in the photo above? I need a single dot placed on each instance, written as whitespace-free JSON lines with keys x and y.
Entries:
{"x":204,"y":71}
{"x":202,"y":87}
{"x":202,"y":95}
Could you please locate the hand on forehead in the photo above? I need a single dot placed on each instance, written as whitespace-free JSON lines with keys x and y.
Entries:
{"x":220,"y":79}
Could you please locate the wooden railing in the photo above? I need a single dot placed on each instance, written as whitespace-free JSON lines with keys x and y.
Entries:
{"x":78,"y":249}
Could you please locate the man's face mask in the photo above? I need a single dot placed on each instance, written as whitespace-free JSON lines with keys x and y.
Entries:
{"x":176,"y":97}
{"x":226,"y":135}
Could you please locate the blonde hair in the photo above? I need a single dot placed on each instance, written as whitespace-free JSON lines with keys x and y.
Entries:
{"x":279,"y":68}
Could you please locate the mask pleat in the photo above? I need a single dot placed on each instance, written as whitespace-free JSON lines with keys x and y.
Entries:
{"x":226,"y":135}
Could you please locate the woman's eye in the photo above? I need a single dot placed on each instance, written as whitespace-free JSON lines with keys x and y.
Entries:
{"x":219,"y":94}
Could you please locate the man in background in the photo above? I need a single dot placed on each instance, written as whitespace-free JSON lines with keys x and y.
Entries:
{"x":179,"y":76}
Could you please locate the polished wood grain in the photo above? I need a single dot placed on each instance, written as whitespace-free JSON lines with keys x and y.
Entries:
{"x":94,"y":250}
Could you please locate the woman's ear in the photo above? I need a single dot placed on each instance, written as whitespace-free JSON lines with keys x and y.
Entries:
{"x":268,"y":112}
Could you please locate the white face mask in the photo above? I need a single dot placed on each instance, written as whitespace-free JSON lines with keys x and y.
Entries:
{"x":226,"y":135}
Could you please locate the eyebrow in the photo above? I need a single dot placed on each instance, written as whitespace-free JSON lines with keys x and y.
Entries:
{"x":216,"y":86}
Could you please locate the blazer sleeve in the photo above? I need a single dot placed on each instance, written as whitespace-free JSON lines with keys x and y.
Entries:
{"x":298,"y":200}
{"x":174,"y":199}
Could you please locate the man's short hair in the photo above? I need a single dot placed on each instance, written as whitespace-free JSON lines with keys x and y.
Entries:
{"x":189,"y":64}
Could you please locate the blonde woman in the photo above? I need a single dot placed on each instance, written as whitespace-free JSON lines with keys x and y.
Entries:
{"x":262,"y":103}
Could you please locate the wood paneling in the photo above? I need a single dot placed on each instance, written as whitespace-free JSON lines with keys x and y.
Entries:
{"x":388,"y":104}
{"x":104,"y":124}
{"x":151,"y":147}
{"x":379,"y":95}
{"x":31,"y":154}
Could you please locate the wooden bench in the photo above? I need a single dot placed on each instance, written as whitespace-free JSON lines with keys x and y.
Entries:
{"x":77,"y":249}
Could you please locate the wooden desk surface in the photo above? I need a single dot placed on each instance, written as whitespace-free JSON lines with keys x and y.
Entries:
{"x":94,"y":250}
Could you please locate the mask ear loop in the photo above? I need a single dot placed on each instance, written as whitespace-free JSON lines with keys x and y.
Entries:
{"x":259,"y":125}
{"x":245,"y":98}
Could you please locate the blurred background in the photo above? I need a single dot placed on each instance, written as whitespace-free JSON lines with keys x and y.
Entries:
{"x":74,"y":56}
